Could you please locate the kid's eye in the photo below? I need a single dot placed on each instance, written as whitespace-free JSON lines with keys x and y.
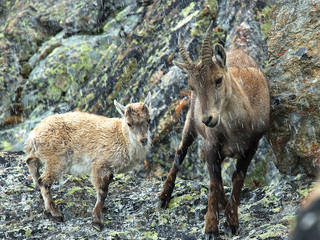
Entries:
{"x":129,"y":124}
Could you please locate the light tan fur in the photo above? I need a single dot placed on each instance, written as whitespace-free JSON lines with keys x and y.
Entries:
{"x":82,"y":143}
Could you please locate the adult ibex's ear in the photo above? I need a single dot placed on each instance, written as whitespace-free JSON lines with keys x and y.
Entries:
{"x":220,"y":55}
{"x":120,"y":108}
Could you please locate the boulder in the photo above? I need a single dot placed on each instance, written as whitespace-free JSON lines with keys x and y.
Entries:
{"x":294,"y":75}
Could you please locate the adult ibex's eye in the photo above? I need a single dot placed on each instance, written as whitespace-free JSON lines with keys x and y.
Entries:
{"x":129,"y":124}
{"x":218,"y":81}
{"x":149,"y":120}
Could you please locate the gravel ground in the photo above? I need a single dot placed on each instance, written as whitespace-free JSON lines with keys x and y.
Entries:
{"x":132,"y":208}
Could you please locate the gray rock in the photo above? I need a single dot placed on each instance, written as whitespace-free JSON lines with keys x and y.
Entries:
{"x":293,"y":71}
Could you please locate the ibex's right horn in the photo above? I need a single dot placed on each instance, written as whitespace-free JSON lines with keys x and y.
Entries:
{"x":188,"y":64}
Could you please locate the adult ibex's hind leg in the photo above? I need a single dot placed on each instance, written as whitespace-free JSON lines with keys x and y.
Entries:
{"x":188,"y":137}
{"x":47,"y":178}
{"x":33,"y":164}
{"x":231,"y":211}
{"x":101,"y":179}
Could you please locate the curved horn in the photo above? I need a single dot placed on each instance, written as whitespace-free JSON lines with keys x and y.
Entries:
{"x":206,"y":52}
{"x":185,"y":56}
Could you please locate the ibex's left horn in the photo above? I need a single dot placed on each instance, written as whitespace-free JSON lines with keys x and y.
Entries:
{"x":206,"y":52}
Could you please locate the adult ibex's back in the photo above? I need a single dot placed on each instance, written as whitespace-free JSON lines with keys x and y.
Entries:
{"x":230,"y":110}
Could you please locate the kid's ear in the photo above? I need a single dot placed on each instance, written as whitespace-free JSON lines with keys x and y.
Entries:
{"x":145,"y":107}
{"x":120,"y":108}
{"x":129,"y":110}
{"x":147,"y":100}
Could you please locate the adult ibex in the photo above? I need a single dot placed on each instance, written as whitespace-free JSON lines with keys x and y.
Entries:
{"x":78,"y":143}
{"x":230,"y":110}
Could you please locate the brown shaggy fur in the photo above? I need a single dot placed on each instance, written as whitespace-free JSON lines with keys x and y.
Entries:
{"x":230,"y":111}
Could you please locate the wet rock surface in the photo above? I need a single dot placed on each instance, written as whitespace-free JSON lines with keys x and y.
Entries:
{"x":294,"y":76}
{"x":132,"y":207}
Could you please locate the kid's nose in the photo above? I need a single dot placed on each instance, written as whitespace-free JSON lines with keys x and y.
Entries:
{"x":144,"y":141}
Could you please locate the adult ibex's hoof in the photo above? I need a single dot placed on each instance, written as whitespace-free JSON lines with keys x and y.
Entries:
{"x":98,"y":226}
{"x":164,"y":200}
{"x":234,"y":229}
{"x":212,"y":236}
{"x":231,"y":229}
{"x":58,"y":218}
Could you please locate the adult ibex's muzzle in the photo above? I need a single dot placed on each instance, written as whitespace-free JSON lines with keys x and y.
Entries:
{"x":210,"y":121}
{"x":206,"y":120}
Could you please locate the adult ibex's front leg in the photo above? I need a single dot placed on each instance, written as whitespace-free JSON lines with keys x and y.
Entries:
{"x":188,"y":137}
{"x":216,"y":194}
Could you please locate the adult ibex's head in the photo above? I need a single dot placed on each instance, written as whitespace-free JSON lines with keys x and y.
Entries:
{"x":208,"y":80}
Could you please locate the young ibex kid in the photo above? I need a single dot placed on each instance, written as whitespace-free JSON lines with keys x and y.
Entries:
{"x":83,"y":143}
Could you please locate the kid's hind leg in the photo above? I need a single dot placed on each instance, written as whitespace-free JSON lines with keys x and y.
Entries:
{"x":101,"y":179}
{"x":33,"y":164}
{"x":52,"y":171}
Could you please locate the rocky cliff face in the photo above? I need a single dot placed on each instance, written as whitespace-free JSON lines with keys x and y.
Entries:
{"x":58,"y":57}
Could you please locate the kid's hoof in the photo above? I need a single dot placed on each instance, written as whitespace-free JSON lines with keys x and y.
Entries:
{"x":47,"y":214}
{"x":212,"y":236}
{"x":58,"y":218}
{"x":98,"y":226}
